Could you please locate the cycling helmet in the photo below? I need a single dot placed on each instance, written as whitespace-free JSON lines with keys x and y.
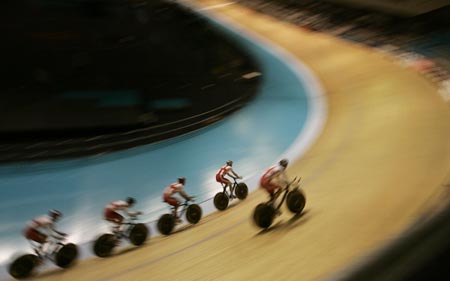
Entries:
{"x":54,"y":213}
{"x":182,"y":180}
{"x":130,"y":200}
{"x":284,"y":162}
{"x":230,"y":163}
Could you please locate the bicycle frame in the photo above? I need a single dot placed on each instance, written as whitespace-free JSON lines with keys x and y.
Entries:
{"x":52,"y":245}
{"x":184,"y":207}
{"x":287,"y":189}
{"x":124,"y":232}
{"x":233,"y":186}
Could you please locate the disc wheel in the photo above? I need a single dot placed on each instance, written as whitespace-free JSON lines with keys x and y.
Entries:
{"x":66,"y":255}
{"x":104,"y":245}
{"x":296,"y":201}
{"x":241,"y":191}
{"x":193,"y":213}
{"x":138,"y":234}
{"x":221,"y":201}
{"x":263,"y":215}
{"x":23,"y":266}
{"x":166,"y":223}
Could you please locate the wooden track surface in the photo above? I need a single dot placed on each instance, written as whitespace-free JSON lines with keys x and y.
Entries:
{"x":380,"y":163}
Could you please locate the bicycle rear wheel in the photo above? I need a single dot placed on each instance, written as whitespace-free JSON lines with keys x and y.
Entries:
{"x":221,"y":201}
{"x":23,"y":266}
{"x":166,"y":223}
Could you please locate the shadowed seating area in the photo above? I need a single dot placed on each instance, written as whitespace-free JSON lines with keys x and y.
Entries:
{"x":86,"y":77}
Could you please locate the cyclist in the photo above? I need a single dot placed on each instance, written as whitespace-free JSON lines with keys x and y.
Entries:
{"x":227,"y":170}
{"x":274,"y":179}
{"x":39,"y":228}
{"x":111,"y":214}
{"x":170,"y":191}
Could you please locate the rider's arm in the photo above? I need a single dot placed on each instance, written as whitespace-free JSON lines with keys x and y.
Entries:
{"x":131,"y":213}
{"x":184,"y":194}
{"x":230,"y":172}
{"x":284,"y":178}
{"x":234,"y":174}
{"x":52,"y":228}
{"x":134,"y":213}
{"x":180,"y":190}
{"x":124,"y":207}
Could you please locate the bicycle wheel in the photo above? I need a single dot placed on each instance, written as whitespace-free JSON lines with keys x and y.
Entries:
{"x":193,"y":213}
{"x":166,"y":223}
{"x":296,"y":201}
{"x":23,"y":266}
{"x":66,"y":255}
{"x":221,"y":201}
{"x":138,"y":234}
{"x":241,"y":191}
{"x":104,"y":245}
{"x":263,"y":215}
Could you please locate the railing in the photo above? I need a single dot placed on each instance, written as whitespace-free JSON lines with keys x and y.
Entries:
{"x":82,"y":146}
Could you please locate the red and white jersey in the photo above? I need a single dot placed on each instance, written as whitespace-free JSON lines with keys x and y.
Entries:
{"x":274,"y":172}
{"x":174,"y":188}
{"x":43,"y":221}
{"x":117,"y":205}
{"x":223,"y":171}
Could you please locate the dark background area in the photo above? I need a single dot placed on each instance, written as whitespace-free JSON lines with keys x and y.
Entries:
{"x":81,"y":77}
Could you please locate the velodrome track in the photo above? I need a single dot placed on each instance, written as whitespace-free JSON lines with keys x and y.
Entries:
{"x":381,"y":162}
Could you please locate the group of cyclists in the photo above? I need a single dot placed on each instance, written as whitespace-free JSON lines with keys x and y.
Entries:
{"x":272,"y":181}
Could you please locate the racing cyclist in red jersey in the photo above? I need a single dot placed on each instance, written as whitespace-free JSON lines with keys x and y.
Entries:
{"x":274,"y":179}
{"x":111,"y":214}
{"x":171,"y":190}
{"x":39,"y":228}
{"x":227,"y":170}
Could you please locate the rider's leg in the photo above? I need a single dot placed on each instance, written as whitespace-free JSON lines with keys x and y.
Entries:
{"x":226,"y":183}
{"x":230,"y":187}
{"x":46,"y":249}
{"x":37,"y":247}
{"x":273,"y":197}
{"x":175,"y":214}
{"x":118,"y":226}
{"x":175,"y":203}
{"x":36,"y":239}
{"x":175,"y":211}
{"x":116,"y":219}
{"x":224,"y":186}
{"x":272,"y":189}
{"x":276,"y":194}
{"x":50,"y":249}
{"x":117,"y":229}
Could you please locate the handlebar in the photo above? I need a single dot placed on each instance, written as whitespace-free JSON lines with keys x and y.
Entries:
{"x":58,"y":237}
{"x":186,"y":201}
{"x":134,"y":215}
{"x":236,"y":180}
{"x":295,"y":181}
